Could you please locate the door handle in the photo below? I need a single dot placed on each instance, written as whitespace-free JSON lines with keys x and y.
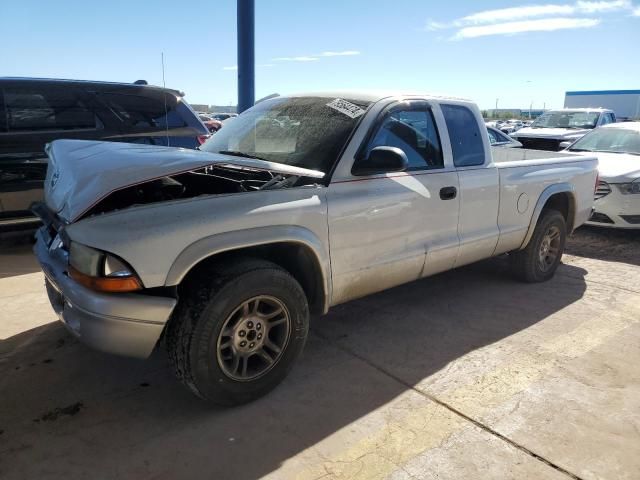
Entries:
{"x":448,"y":193}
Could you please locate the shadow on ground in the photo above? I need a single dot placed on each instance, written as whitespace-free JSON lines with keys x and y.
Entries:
{"x":607,"y":244}
{"x":67,"y":411}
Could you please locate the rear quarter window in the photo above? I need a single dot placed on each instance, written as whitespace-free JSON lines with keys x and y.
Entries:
{"x":46,"y":108}
{"x":140,"y":111}
{"x":466,"y":140}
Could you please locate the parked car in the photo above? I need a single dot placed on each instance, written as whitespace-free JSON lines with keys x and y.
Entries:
{"x":617,"y":199}
{"x":225,"y":252}
{"x":510,"y":126}
{"x":223,"y":116}
{"x":499,"y":139}
{"x":211,"y":123}
{"x":554,"y":127}
{"x":33,"y":112}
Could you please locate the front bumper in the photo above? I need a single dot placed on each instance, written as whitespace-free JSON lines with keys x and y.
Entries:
{"x":124,"y":324}
{"x":616,"y":210}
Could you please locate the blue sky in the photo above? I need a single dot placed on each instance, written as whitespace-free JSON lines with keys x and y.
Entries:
{"x":518,"y":52}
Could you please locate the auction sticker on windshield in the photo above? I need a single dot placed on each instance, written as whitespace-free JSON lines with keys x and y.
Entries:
{"x":348,"y":108}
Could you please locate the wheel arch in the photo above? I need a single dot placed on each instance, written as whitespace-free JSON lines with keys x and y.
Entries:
{"x":296,"y":249}
{"x":560,"y":197}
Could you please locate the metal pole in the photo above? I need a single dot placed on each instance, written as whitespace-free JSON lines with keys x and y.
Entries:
{"x":246,"y":54}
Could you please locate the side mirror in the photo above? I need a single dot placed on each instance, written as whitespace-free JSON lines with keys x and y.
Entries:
{"x":382,"y":160}
{"x":565,"y":145}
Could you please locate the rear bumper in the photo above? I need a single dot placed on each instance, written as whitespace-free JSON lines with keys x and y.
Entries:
{"x":122,"y":324}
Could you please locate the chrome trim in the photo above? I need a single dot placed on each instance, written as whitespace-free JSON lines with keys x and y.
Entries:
{"x":19,"y":221}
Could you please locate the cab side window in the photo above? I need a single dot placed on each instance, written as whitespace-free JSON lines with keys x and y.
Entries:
{"x":414,"y":132}
{"x":464,"y":132}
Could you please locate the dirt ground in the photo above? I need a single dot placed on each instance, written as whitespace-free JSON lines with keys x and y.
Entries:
{"x":467,"y":375}
{"x":606,"y":244}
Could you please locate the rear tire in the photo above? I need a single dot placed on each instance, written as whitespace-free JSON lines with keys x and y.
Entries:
{"x":539,"y":260}
{"x":237,"y":330}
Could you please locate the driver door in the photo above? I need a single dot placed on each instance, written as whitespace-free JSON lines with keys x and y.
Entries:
{"x":384,"y":227}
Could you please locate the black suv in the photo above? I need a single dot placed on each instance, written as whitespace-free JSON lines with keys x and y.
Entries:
{"x":35,"y":111}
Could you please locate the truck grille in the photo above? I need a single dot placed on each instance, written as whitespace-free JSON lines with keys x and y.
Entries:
{"x":602,"y":190}
{"x":540,"y":143}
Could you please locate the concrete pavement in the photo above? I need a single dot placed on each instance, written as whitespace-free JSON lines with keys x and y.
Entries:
{"x":464,"y":375}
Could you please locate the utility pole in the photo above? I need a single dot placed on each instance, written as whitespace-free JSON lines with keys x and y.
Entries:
{"x":246,"y":54}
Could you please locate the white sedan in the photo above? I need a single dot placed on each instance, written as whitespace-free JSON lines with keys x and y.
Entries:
{"x":617,"y":198}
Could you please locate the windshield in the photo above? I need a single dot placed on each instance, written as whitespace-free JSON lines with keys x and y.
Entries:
{"x":304,"y":132}
{"x":615,"y":140}
{"x":566,"y":120}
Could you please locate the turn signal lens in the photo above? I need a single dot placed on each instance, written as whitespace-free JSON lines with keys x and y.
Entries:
{"x":106,"y":284}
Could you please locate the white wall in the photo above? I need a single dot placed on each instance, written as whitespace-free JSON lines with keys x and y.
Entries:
{"x":624,"y":105}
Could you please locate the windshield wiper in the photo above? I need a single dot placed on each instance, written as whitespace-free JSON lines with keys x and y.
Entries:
{"x":580,"y":150}
{"x":236,"y":153}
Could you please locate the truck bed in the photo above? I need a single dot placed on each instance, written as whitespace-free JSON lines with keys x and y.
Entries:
{"x":507,"y":157}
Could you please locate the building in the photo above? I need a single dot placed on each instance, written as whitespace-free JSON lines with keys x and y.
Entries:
{"x":513,"y":113}
{"x":625,"y":103}
{"x":214,"y":108}
{"x":199,"y":107}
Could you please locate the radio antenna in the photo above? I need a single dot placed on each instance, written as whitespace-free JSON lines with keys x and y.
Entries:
{"x":164,"y":95}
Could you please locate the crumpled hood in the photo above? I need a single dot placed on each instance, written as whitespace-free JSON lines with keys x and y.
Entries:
{"x":81,"y":172}
{"x":616,"y":167}
{"x":559,"y":133}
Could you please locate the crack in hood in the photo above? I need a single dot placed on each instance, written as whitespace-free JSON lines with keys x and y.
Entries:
{"x":81,"y":173}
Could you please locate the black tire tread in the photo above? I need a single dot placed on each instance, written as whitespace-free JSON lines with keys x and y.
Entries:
{"x":523,"y":262}
{"x":199,"y":288}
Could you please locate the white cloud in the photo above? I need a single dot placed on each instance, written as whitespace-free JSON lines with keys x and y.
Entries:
{"x":636,"y":12}
{"x":532,"y":12}
{"x":232,"y":67}
{"x":515,"y":13}
{"x":343,"y":53}
{"x":598,"y":7}
{"x":296,"y":59}
{"x":509,"y":28}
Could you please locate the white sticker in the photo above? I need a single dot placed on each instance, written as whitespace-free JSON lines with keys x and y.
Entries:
{"x":348,"y":108}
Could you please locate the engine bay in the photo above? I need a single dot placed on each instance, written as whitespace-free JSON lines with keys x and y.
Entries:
{"x":210,"y":180}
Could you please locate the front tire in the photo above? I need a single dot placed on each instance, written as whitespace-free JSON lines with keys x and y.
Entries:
{"x":539,"y":260}
{"x":237,"y":330}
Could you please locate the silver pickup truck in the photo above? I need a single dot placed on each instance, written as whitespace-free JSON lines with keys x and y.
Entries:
{"x":299,"y":204}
